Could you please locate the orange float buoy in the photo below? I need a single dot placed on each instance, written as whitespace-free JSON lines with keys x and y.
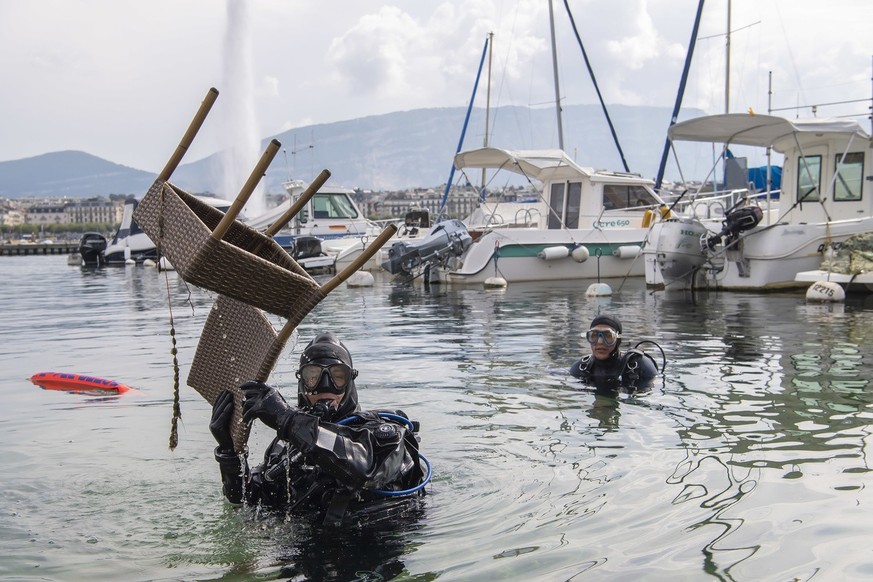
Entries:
{"x":78,"y":383}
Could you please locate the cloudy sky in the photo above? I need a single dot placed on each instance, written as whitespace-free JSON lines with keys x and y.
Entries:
{"x":121,"y":79}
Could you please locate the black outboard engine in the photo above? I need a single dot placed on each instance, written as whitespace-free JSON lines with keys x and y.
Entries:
{"x":306,"y":247}
{"x":447,"y":239}
{"x":91,"y":247}
{"x":735,"y":222}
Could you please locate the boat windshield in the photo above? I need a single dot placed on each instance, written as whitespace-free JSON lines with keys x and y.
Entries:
{"x":333,"y":206}
{"x":620,"y":196}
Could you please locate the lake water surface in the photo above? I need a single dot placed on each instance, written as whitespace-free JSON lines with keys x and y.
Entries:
{"x":747,"y":462}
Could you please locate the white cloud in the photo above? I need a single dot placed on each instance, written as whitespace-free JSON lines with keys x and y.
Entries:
{"x":122,"y":79}
{"x":641,"y":44}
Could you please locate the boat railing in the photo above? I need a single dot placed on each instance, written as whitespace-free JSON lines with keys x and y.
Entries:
{"x":528,"y":217}
{"x":639,"y":208}
{"x":714,"y":205}
{"x":524,"y":218}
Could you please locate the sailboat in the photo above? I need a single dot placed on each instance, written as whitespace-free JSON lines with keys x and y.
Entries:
{"x":585,"y":224}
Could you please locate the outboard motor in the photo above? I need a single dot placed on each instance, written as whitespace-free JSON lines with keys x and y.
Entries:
{"x":306,"y":247}
{"x":91,"y":247}
{"x":679,"y":253}
{"x":447,"y":239}
{"x":735,"y":222}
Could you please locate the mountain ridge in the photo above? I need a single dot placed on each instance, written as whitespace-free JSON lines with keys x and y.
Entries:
{"x":392,"y":151}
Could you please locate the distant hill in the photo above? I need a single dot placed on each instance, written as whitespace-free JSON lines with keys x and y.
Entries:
{"x":382,"y":152}
{"x":69,"y":173}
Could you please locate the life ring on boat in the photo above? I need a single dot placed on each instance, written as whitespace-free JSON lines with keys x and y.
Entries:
{"x":77,"y":383}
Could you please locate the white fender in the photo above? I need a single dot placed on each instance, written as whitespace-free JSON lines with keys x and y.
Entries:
{"x":552,"y":253}
{"x":627,"y":251}
{"x":580,"y":254}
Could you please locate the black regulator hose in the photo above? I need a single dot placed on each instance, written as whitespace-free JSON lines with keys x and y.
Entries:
{"x":663,"y":355}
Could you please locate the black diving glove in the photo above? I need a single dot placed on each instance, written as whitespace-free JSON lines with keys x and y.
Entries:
{"x":219,"y":426}
{"x":264,"y":402}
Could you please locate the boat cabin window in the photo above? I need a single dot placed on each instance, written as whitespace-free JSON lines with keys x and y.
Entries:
{"x":564,"y":205}
{"x":621,"y":196}
{"x":850,"y":173}
{"x":808,"y":178}
{"x":333,"y":206}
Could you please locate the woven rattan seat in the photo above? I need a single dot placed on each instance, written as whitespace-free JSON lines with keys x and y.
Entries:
{"x":245,"y":264}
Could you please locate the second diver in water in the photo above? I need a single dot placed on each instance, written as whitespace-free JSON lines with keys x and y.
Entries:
{"x":609,"y":369}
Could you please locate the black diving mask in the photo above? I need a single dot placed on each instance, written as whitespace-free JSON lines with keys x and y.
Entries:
{"x":340,"y":375}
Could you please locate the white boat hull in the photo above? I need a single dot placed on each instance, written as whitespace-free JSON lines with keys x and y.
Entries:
{"x":768,"y":257}
{"x":513,"y":255}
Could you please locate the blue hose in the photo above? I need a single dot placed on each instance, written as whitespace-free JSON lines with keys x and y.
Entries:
{"x":411,"y":426}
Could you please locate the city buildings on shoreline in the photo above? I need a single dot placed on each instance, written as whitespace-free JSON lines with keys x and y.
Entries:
{"x":107,"y":210}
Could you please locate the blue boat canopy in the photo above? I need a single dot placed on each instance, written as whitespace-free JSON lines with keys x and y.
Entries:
{"x":758,"y":177}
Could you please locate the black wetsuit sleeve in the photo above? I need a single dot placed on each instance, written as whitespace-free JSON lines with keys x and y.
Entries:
{"x":234,"y":471}
{"x":370,"y":455}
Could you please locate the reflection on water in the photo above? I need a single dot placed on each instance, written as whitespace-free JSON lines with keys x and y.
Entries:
{"x":753,"y":442}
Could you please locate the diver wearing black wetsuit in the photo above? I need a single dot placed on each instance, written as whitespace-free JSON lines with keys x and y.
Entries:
{"x":328,"y":455}
{"x":607,"y":368}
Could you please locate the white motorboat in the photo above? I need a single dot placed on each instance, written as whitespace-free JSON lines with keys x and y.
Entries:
{"x":585,"y":224}
{"x":330,"y":231}
{"x":744,"y":240}
{"x":414,"y":226}
{"x":330,"y":214}
{"x":331,"y":217}
{"x":129,"y":244}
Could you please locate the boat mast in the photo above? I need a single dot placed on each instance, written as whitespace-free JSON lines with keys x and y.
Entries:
{"x":555,"y":69}
{"x":596,"y":87}
{"x":463,"y":132}
{"x":678,"y":104}
{"x":487,"y":107}
{"x":727,"y":68}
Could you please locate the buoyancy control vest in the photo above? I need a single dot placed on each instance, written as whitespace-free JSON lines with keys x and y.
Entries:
{"x":632,"y":369}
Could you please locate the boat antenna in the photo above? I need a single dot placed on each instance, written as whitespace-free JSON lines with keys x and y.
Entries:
{"x":295,"y":150}
{"x":596,"y":88}
{"x":555,"y":69}
{"x":680,"y":94}
{"x":287,"y":170}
